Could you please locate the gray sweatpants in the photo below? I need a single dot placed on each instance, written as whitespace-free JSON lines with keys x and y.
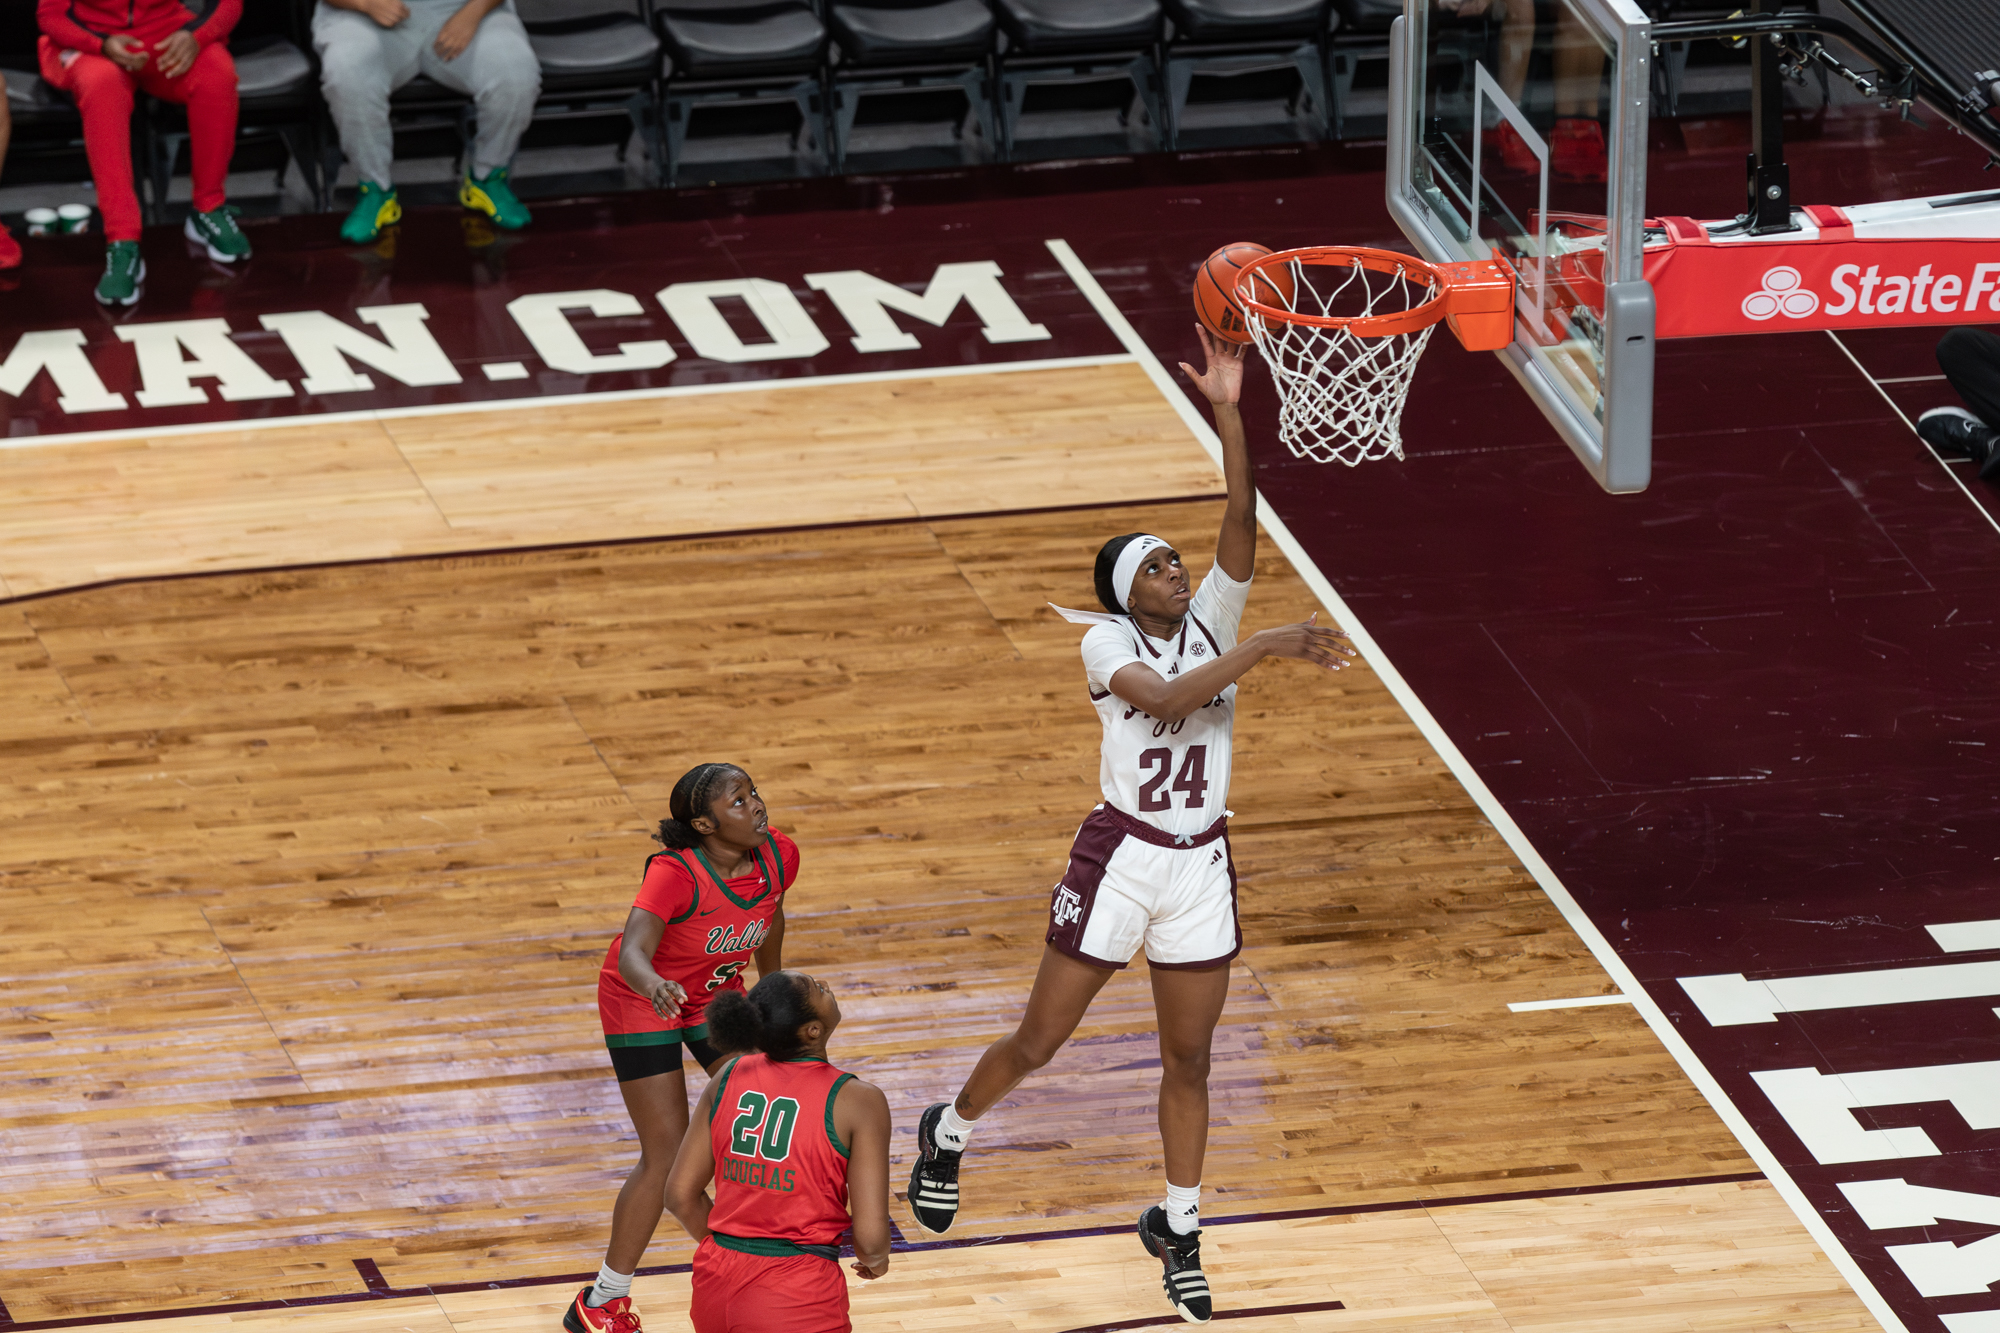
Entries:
{"x":361,"y":63}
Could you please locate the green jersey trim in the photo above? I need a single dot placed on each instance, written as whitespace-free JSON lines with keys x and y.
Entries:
{"x":763,"y":869}
{"x":773,"y":1248}
{"x":670,"y":1037}
{"x":721,"y":1086}
{"x":832,"y":1134}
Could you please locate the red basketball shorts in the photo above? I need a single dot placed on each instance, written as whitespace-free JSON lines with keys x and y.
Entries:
{"x":756,"y":1293}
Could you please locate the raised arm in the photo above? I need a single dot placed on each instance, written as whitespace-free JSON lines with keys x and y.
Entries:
{"x":1222,"y":384}
{"x":1170,"y":700}
{"x":861,"y":1117}
{"x":694,"y":1166}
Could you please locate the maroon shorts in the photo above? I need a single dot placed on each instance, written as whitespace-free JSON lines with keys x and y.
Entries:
{"x":757,"y":1293}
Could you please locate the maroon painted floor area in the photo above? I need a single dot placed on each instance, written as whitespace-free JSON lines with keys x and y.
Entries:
{"x":1743,"y":715}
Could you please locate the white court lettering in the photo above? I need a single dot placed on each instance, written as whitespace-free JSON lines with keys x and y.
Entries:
{"x":323,"y":346}
{"x":169,"y":375}
{"x":544,"y":319}
{"x":865,"y":300}
{"x":1819,"y":1108}
{"x":1935,"y":1268}
{"x":60,"y":353}
{"x":793,"y":335}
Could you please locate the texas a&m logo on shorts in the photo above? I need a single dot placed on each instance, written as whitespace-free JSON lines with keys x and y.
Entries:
{"x":1068,"y":906}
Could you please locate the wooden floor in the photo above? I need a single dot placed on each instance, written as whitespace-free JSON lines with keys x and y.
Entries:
{"x":791,"y":455}
{"x":311,"y":873}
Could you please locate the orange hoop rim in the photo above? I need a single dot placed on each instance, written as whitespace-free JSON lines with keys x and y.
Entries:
{"x":1407,"y":267}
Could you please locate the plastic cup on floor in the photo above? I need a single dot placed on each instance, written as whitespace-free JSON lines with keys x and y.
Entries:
{"x":74,"y":218}
{"x":42,"y":221}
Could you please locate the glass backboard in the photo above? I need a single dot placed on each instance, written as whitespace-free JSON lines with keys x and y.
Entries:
{"x":1517,"y":132}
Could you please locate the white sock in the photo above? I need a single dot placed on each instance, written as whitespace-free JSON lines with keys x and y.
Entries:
{"x":953,"y":1130}
{"x":610,"y":1285}
{"x":1183,"y":1208}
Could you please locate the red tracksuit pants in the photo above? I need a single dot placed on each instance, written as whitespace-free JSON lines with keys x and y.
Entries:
{"x":104,"y":93}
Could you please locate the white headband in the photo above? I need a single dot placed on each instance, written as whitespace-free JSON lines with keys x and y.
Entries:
{"x":1128,"y":564}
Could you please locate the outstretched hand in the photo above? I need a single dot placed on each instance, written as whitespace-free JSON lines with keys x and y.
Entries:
{"x":1222,"y":382}
{"x":666,"y":997}
{"x":1308,"y":641}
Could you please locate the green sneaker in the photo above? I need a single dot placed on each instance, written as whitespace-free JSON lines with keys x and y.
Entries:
{"x":374,"y":210}
{"x":217,"y":231}
{"x":492,"y":195}
{"x":124,"y":272}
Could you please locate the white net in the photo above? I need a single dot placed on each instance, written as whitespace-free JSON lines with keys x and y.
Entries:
{"x":1340,"y":393}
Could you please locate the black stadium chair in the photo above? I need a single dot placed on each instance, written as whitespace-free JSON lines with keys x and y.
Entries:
{"x":890,"y":46}
{"x":599,"y":58}
{"x":1359,"y":36}
{"x":1078,"y":41}
{"x":48,"y":134}
{"x":277,"y":92}
{"x":741,"y":52}
{"x":1230,"y":38}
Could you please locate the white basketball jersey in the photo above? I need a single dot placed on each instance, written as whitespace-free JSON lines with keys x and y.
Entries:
{"x":1174,"y":776}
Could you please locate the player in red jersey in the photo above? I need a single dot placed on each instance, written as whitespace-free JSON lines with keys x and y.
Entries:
{"x":798,"y":1151}
{"x":709,"y":903}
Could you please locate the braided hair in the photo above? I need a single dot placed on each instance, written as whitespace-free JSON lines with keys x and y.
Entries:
{"x":690,"y":800}
{"x":1107,"y":565}
{"x":767,"y":1019}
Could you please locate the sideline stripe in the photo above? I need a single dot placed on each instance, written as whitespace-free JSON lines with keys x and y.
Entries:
{"x":1949,"y":470}
{"x":600,"y":544}
{"x":1578,"y":1002}
{"x":379,"y":1288}
{"x":1490,"y":806}
{"x":553,"y":400}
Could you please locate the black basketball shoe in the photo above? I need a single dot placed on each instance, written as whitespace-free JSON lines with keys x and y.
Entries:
{"x":1186,"y":1284}
{"x":934,"y":1176}
{"x":1955,"y":432}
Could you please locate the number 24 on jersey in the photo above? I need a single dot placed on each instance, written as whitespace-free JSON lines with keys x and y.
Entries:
{"x":1190,"y":778}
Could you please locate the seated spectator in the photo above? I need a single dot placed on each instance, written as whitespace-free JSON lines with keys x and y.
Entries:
{"x":101,"y":52}
{"x":370,"y":48}
{"x":1970,"y":359}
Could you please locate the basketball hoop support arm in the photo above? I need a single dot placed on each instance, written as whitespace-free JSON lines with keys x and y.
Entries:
{"x":1896,"y":264}
{"x":1907,"y":74}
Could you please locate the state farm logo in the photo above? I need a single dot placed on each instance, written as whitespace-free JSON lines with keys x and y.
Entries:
{"x":1781,"y":294}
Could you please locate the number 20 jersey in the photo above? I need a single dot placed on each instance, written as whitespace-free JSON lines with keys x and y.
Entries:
{"x":780,"y":1167}
{"x":1173,"y":776}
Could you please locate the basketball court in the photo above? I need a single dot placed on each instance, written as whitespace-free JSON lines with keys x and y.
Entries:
{"x":1616,"y":935}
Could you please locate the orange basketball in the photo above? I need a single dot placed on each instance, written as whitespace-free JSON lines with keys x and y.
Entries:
{"x":1215,"y":303}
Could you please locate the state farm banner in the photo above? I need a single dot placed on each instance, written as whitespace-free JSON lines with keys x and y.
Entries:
{"x":1705,"y":289}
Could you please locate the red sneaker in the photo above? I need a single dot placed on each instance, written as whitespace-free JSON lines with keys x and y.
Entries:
{"x":1576,"y":151}
{"x":1515,"y":155}
{"x":10,"y":249}
{"x":615,"y":1316}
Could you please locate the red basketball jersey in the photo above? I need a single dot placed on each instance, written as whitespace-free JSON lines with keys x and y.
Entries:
{"x":713,"y":925}
{"x":780,"y":1167}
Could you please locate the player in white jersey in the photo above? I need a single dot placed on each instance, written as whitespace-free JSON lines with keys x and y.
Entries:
{"x":1151,"y":865}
